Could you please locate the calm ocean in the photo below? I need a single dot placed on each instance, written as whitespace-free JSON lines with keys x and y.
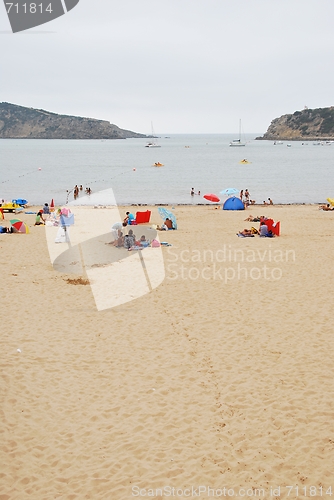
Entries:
{"x":39,"y":170}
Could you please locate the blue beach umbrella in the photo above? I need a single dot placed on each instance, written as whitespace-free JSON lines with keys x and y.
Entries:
{"x":229,"y":191}
{"x":164,"y":213}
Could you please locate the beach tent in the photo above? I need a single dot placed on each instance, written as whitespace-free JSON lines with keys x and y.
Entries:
{"x":233,"y":204}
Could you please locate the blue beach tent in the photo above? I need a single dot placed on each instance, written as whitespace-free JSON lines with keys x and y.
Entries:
{"x":233,"y":204}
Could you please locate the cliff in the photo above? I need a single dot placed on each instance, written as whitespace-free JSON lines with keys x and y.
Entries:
{"x":308,"y":124}
{"x":18,"y":122}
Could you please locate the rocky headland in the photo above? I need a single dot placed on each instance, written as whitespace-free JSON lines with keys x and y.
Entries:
{"x":308,"y":124}
{"x":19,"y":122}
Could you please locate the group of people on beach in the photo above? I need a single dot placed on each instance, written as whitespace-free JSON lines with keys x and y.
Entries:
{"x":245,"y":198}
{"x":263,"y":230}
{"x":129,"y":240}
{"x":40,"y":220}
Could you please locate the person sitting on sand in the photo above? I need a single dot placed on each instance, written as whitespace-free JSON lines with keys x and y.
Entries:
{"x":120,"y":240}
{"x":143,"y":242}
{"x":263,"y":229}
{"x":129,"y":218}
{"x":129,"y":240}
{"x":166,"y":225}
{"x":46,"y":209}
{"x":270,"y":201}
{"x":39,"y":217}
{"x":326,"y":207}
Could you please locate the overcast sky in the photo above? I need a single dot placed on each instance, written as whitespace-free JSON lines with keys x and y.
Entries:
{"x":190,"y":66}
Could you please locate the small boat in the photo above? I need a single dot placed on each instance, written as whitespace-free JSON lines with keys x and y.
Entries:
{"x":157,"y":164}
{"x":237,"y":142}
{"x":278,"y":143}
{"x":244,"y":161}
{"x":152,"y":144}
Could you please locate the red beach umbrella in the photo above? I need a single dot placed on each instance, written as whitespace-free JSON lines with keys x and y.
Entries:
{"x":212,"y":197}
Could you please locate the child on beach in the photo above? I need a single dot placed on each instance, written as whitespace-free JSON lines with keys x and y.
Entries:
{"x":39,"y":218}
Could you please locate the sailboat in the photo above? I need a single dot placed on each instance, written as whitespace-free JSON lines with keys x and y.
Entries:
{"x":237,"y":142}
{"x":153,"y":144}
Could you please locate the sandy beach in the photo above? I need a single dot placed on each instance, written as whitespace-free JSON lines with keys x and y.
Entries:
{"x":219,"y":377}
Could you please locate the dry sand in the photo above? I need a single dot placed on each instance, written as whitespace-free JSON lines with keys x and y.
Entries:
{"x":214,"y":378}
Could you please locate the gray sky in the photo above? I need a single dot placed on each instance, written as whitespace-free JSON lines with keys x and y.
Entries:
{"x":190,"y":66}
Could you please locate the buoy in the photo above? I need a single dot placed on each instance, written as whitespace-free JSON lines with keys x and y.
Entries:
{"x":39,"y":168}
{"x":134,"y":169}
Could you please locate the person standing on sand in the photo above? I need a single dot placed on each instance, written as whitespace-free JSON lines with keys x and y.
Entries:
{"x":242,"y":195}
{"x":76,"y":191}
{"x":270,"y":201}
{"x":247,"y":195}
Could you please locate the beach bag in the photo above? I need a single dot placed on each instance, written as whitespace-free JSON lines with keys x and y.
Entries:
{"x":155,"y":243}
{"x":254,"y":230}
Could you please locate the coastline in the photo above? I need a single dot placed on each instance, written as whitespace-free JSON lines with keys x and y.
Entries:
{"x":221,"y":375}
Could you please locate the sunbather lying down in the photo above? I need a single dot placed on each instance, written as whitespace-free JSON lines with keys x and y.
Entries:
{"x":326,"y":207}
{"x":245,"y":233}
{"x":251,"y":218}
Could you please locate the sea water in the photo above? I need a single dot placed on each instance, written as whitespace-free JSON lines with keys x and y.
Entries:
{"x":39,"y":170}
